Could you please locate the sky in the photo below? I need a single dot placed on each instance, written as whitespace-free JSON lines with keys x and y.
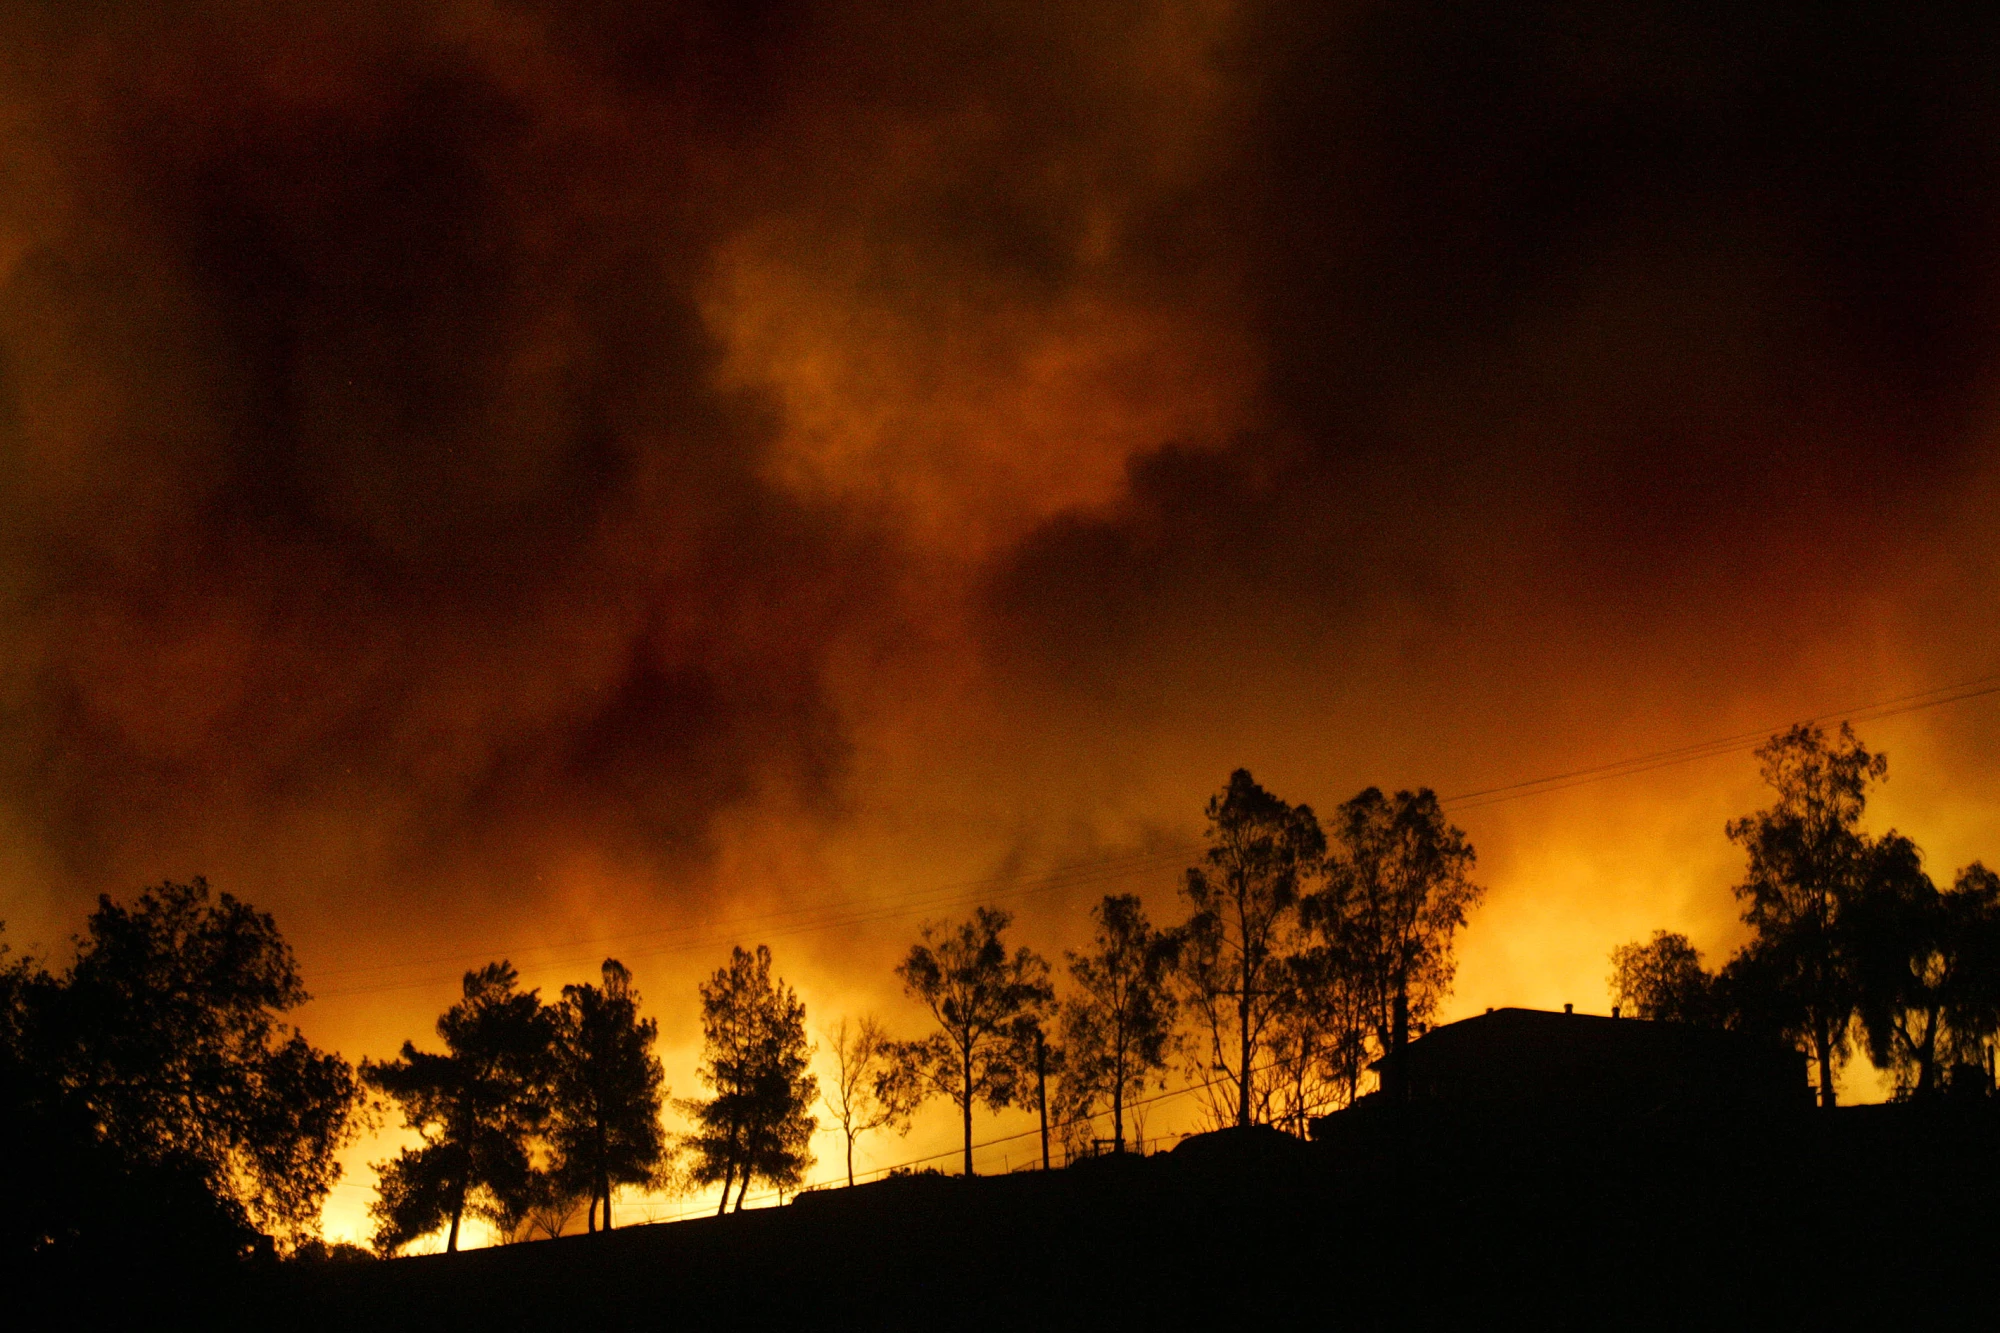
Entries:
{"x":551,"y":478}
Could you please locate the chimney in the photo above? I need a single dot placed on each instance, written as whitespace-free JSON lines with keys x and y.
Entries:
{"x":1614,"y":1011}
{"x":1569,"y":1008}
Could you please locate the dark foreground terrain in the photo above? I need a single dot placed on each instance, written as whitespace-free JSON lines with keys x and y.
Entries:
{"x":1872,"y":1215}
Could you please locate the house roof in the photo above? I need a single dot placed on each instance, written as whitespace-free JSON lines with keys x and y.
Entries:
{"x":1574,"y":1028}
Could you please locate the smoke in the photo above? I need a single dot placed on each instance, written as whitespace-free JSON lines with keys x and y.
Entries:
{"x":367,"y":453}
{"x":482,"y":471}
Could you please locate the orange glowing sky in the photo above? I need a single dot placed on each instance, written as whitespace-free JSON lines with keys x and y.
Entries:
{"x":545,"y":478}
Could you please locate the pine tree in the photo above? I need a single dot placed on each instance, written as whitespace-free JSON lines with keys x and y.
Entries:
{"x":756,"y":1061}
{"x":604,"y":1130}
{"x":477,"y":1107}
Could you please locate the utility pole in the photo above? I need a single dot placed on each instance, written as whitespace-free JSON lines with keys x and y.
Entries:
{"x":1042,"y":1091}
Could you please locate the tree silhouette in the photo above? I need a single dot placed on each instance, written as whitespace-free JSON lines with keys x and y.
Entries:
{"x":477,"y":1108}
{"x":756,"y":1060}
{"x":1664,"y":980}
{"x":872,"y":1088}
{"x":604,"y":1127}
{"x":1399,"y":888}
{"x":1117,"y":1025}
{"x":1318,"y":1040}
{"x":552,"y":1203}
{"x":1972,"y":1014}
{"x":1809,"y":864}
{"x":155,"y":1078}
{"x":1924,"y":965}
{"x":1243,"y":927}
{"x":1849,"y":932}
{"x":985,"y":1001}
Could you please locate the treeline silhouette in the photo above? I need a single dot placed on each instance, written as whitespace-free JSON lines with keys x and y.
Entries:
{"x":161,"y":1080}
{"x":155,"y":1091}
{"x":1852,"y":943}
{"x":1306,"y":953}
{"x":152,"y":1099}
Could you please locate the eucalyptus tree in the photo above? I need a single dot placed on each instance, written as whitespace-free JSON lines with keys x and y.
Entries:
{"x":1809,"y":867}
{"x":1116,"y":1026}
{"x":1319,"y":1036}
{"x":872,"y":1087}
{"x":1927,"y":973}
{"x":1398,"y":890}
{"x":477,"y":1108}
{"x":1849,"y":933}
{"x":1663,"y":980}
{"x":987,"y":1003}
{"x":1243,"y":928}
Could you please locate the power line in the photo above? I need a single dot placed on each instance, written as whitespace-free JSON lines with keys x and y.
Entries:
{"x":858,"y":911}
{"x":864,"y":911}
{"x":1741,"y":742}
{"x":765,"y":1196}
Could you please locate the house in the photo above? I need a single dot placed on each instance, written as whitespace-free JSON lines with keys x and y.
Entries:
{"x":1531,"y":1061}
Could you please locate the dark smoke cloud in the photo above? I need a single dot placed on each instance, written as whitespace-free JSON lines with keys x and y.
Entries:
{"x":447,"y":440}
{"x":1638,"y":332}
{"x":364,"y":450}
{"x":477,"y":474}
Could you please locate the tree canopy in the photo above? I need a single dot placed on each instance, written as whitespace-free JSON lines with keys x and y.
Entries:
{"x":1927,"y":971}
{"x":1243,"y":925}
{"x":986,"y":1002}
{"x":1663,"y":980}
{"x":756,"y":1059}
{"x":604,"y":1126}
{"x":1399,"y":889}
{"x":1117,"y":1025}
{"x":1849,"y":935}
{"x":1809,"y":864}
{"x":154,"y":1083}
{"x":873,"y":1088}
{"x":477,"y":1108}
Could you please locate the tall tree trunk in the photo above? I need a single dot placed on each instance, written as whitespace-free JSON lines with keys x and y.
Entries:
{"x":743,"y":1188}
{"x":1118,"y":1055}
{"x":1118,"y":1089}
{"x":1243,"y":1049}
{"x":457,"y":1211}
{"x":966,"y":1099}
{"x":728,"y":1179}
{"x":1823,"y":1048}
{"x":1927,"y":1070}
{"x":1399,"y":1039}
{"x":602,"y":1184}
{"x":1042,"y":1093}
{"x":590,"y":1216}
{"x":850,"y":1161}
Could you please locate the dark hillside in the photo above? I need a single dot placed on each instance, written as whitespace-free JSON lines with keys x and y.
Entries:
{"x":1878,"y":1214}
